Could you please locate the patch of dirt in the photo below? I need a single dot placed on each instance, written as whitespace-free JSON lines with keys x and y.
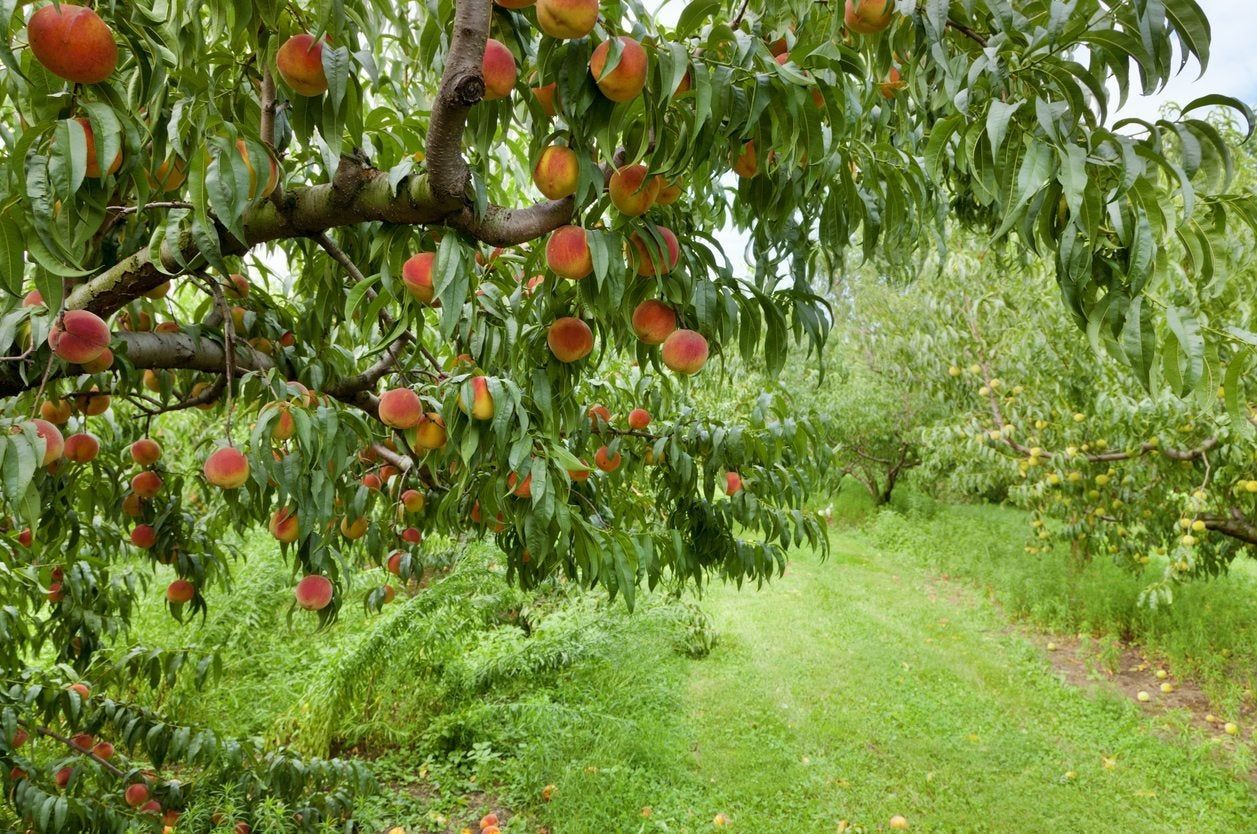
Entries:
{"x":1125,"y":669}
{"x":468,"y":818}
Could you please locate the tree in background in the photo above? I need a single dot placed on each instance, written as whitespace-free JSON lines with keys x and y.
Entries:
{"x":315,"y":222}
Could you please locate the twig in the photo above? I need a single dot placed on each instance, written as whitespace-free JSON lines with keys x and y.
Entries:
{"x":105,"y":763}
{"x":161,"y":204}
{"x":967,"y":32}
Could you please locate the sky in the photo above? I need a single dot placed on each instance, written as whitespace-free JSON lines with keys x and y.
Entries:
{"x":1232,"y":71}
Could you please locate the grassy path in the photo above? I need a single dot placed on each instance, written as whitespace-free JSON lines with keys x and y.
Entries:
{"x":859,"y":689}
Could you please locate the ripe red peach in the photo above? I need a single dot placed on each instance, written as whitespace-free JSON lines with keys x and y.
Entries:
{"x":300,"y":64}
{"x":146,"y":484}
{"x":570,"y":339}
{"x":73,"y":43}
{"x":227,"y":468}
{"x":237,"y":287}
{"x":499,"y":70}
{"x":143,"y":536}
{"x":314,"y":592}
{"x":581,"y":474}
{"x":557,"y":173}
{"x":54,"y":443}
{"x":417,"y":276}
{"x":372,"y":481}
{"x":626,"y":80}
{"x":605,"y":460}
{"x":63,"y":777}
{"x":653,"y":321}
{"x":568,"y":254}
{"x":633,"y":190}
{"x":136,"y":794}
{"x":81,"y":448}
{"x":394,"y":562}
{"x":638,"y":419}
{"x":481,"y":400}
{"x":599,"y":415}
{"x":733,"y":483}
{"x":655,"y":258}
{"x":892,"y":84}
{"x":284,"y":525}
{"x":34,"y":298}
{"x":169,"y":176}
{"x":284,"y":425}
{"x":669,"y":192}
{"x":685,"y":352}
{"x":567,"y":19}
{"x":521,"y":489}
{"x":412,"y":535}
{"x":79,"y":337}
{"x":95,"y":404}
{"x":180,"y":591}
{"x":400,"y":408}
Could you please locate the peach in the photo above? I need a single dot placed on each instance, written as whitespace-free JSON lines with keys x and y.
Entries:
{"x":429,"y":433}
{"x":227,"y":468}
{"x":633,"y":190}
{"x":103,"y":750}
{"x":568,"y":254}
{"x":733,"y":483}
{"x":56,"y":412}
{"x":54,"y":443}
{"x":598,"y":415}
{"x":394,"y":562}
{"x":481,"y":399}
{"x":685,"y":352}
{"x":638,"y":419}
{"x":580,"y":474}
{"x":81,"y":448}
{"x":237,"y":287}
{"x":300,"y":64}
{"x":605,"y":460}
{"x":284,"y":426}
{"x":412,"y":535}
{"x":625,"y":81}
{"x":354,"y":529}
{"x":388,"y":593}
{"x":868,"y":17}
{"x":272,"y":181}
{"x":400,"y":408}
{"x":145,"y":451}
{"x":653,"y":321}
{"x":570,"y":339}
{"x":94,"y":405}
{"x":73,"y":43}
{"x":557,"y":173}
{"x":93,"y":162}
{"x":522,"y":489}
{"x":146,"y":484}
{"x":101,"y":363}
{"x":34,"y":298}
{"x":746,"y":164}
{"x":153,"y":380}
{"x":413,"y":501}
{"x":499,"y":70}
{"x":143,"y":536}
{"x":82,"y":690}
{"x":180,"y":591}
{"x":169,"y":176}
{"x":63,"y":777}
{"x":417,"y":276}
{"x":892,"y":84}
{"x":567,"y":19}
{"x":669,"y":192}
{"x":199,"y":390}
{"x":314,"y":592}
{"x":132,"y":506}
{"x":547,"y":98}
{"x":372,"y":481}
{"x":136,"y":795}
{"x":158,"y":292}
{"x":79,"y":337}
{"x":284,"y":526}
{"x":656,"y":257}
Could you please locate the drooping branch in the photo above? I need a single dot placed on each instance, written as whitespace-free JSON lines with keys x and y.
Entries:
{"x":462,"y":86}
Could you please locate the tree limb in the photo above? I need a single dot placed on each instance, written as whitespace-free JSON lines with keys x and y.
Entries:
{"x":462,"y":86}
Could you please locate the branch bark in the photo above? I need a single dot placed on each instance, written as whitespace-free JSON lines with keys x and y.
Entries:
{"x":462,"y":86}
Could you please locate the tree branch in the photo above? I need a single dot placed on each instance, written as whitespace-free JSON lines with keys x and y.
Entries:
{"x":1234,"y":525}
{"x":462,"y":86}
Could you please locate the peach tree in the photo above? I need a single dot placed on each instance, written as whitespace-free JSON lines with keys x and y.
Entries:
{"x":447,"y":268}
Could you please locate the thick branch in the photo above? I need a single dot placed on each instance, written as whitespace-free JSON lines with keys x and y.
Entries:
{"x":1234,"y":525}
{"x":462,"y":86}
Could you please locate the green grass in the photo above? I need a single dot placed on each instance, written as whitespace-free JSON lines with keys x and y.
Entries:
{"x":851,"y":689}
